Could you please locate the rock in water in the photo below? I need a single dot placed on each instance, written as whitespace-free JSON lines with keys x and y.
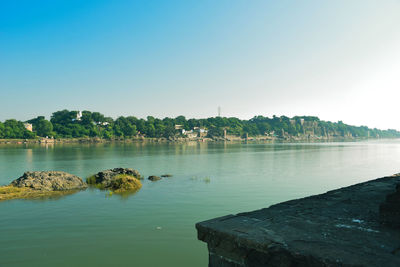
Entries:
{"x":106,"y":177}
{"x":125,"y":183}
{"x":49,"y":181}
{"x":117,"y":179}
{"x":154,"y":178}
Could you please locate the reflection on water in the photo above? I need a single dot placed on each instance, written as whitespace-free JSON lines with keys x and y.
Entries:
{"x":123,"y":195}
{"x":155,"y":226}
{"x":8,"y":193}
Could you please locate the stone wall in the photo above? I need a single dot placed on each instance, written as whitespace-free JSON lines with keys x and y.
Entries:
{"x":343,"y":227}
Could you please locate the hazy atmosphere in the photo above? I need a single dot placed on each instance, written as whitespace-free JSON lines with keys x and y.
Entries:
{"x":199,"y":133}
{"x":338,"y":60}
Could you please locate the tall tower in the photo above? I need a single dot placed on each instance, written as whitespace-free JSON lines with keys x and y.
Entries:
{"x":219,"y":111}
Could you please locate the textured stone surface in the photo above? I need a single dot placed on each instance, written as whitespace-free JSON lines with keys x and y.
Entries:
{"x":106,"y":177}
{"x":49,"y":181}
{"x":389,"y":210}
{"x":339,"y":228}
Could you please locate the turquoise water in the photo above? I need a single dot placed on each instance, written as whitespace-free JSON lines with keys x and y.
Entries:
{"x":155,"y":226}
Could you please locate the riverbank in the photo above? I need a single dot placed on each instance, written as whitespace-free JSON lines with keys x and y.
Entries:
{"x":99,"y":140}
{"x":181,"y":140}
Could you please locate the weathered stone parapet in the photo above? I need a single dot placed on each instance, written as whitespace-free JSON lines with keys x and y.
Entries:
{"x":389,"y":210}
{"x":338,"y":228}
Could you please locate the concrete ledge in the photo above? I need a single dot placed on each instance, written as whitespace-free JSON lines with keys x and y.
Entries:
{"x":338,"y":228}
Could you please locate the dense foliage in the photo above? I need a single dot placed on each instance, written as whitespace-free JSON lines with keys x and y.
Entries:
{"x":14,"y":129}
{"x":72,"y":124}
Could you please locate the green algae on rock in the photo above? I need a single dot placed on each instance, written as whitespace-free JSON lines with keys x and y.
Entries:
{"x":117,"y":180}
{"x":10,"y":192}
{"x":123,"y":182}
{"x":42,"y":184}
{"x":49,"y":181}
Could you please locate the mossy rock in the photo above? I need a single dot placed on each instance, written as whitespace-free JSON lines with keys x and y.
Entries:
{"x":122,"y":183}
{"x":9,"y":192}
{"x":117,"y":180}
{"x":42,"y":184}
{"x":49,"y":181}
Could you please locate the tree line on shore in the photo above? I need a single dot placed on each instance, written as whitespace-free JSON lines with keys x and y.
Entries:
{"x":74,"y":124}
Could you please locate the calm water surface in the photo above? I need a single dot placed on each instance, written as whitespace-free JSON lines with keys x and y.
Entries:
{"x":155,"y":227}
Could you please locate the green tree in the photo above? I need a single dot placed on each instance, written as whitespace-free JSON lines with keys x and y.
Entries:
{"x":97,"y":117}
{"x":16,"y":129}
{"x":41,"y":126}
{"x":151,"y":130}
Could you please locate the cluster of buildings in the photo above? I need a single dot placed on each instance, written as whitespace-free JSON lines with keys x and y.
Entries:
{"x":195,"y":132}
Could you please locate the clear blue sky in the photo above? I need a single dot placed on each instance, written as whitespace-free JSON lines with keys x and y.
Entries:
{"x":339,"y":60}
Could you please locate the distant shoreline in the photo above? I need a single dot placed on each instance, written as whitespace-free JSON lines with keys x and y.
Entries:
{"x":94,"y":140}
{"x":87,"y":126}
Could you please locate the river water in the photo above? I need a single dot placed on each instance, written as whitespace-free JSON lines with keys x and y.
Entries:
{"x":155,"y":226}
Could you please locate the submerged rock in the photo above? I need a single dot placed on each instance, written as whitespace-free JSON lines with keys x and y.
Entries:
{"x":154,"y":178}
{"x":166,"y":175}
{"x":49,"y":181}
{"x":9,"y":192}
{"x":117,"y":179}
